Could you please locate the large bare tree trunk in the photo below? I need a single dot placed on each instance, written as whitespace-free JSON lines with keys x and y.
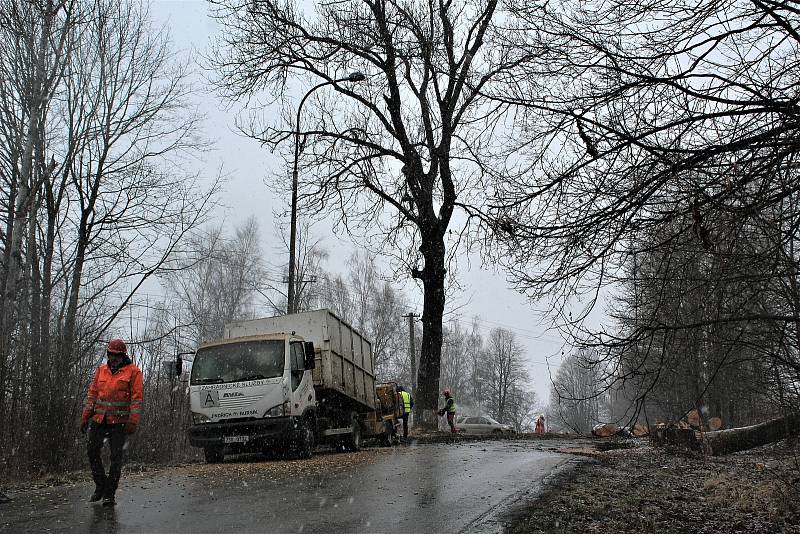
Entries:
{"x":433,"y":276}
{"x":740,"y":439}
{"x":731,"y":440}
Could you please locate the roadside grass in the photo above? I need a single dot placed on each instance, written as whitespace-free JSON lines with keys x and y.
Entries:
{"x":652,"y":490}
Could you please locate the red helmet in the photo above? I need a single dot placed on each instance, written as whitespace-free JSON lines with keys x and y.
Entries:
{"x":117,"y":346}
{"x":446,"y":393}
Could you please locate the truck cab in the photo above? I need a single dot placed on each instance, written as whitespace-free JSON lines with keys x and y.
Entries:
{"x":253,"y":393}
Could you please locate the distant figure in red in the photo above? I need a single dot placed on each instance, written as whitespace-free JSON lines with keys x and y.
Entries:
{"x":540,"y":425}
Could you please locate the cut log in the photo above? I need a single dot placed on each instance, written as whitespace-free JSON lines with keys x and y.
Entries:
{"x":605,"y":430}
{"x":639,"y":430}
{"x":694,"y":419}
{"x":740,"y":439}
{"x":727,"y":441}
{"x":675,"y":436}
{"x":715,"y":423}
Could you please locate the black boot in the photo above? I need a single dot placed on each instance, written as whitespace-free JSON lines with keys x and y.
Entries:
{"x":97,"y":495}
{"x":109,"y":500}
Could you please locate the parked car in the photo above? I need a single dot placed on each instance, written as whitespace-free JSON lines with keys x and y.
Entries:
{"x":482,"y":424}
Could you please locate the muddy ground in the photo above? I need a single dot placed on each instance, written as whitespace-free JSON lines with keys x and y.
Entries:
{"x":642,"y":489}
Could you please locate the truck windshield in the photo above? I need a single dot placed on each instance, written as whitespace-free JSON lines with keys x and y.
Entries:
{"x":235,"y":362}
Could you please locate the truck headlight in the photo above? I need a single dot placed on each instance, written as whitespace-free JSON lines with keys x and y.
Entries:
{"x":278,"y":411}
{"x":198,"y":418}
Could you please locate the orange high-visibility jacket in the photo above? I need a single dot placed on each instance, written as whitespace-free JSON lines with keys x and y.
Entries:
{"x":116,"y":397}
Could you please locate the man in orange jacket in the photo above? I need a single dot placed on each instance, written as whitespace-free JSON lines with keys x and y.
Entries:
{"x":112,"y":410}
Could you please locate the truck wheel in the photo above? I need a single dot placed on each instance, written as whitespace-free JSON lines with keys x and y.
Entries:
{"x":304,"y":447}
{"x":213,"y":455}
{"x":353,"y":441}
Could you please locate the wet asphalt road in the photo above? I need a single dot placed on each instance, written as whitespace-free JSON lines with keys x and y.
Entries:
{"x":465,"y":487}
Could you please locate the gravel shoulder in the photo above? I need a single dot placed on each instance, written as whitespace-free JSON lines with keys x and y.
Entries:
{"x":642,"y":489}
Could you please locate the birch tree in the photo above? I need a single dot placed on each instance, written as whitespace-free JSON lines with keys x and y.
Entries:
{"x":97,"y":200}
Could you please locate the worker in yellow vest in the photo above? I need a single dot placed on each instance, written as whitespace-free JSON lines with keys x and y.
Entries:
{"x":449,"y":409}
{"x":406,"y":403}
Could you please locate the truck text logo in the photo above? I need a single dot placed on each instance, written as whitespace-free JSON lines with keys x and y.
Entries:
{"x":233,"y":394}
{"x":236,"y":385}
{"x":225,"y":415}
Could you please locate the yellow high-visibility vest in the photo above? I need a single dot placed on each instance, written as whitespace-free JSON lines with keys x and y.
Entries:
{"x":406,"y":396}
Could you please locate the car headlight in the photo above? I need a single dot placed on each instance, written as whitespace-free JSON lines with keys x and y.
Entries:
{"x":278,"y":411}
{"x":198,"y":418}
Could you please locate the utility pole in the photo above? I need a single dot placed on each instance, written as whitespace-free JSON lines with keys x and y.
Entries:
{"x":412,"y":357}
{"x":298,"y":294}
{"x":291,"y":305}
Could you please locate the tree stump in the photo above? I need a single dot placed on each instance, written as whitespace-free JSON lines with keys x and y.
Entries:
{"x":675,"y":436}
{"x":715,"y":423}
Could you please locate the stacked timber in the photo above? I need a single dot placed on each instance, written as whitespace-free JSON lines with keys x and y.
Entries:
{"x":605,"y":430}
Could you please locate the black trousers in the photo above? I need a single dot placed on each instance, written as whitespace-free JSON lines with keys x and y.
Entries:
{"x":97,"y":433}
{"x":405,"y":425}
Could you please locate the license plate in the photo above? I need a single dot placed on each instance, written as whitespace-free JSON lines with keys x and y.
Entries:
{"x":235,"y":439}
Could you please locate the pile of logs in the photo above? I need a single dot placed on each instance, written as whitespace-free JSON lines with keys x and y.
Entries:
{"x":707,"y":436}
{"x":692,"y":434}
{"x":605,"y":430}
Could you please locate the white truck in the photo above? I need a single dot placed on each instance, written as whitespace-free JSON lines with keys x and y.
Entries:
{"x":287,"y":383}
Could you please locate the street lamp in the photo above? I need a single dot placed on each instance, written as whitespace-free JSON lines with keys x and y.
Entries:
{"x":352,"y":77}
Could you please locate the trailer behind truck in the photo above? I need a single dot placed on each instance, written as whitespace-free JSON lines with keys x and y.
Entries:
{"x":287,"y":383}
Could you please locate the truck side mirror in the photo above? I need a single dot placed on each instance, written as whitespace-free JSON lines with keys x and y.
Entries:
{"x":173,"y":368}
{"x":310,"y":355}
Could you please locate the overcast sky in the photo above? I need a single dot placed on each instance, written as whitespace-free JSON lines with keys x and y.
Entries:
{"x":246,"y":165}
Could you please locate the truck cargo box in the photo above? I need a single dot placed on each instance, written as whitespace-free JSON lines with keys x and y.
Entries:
{"x":344,"y":361}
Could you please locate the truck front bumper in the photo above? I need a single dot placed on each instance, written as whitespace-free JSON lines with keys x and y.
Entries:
{"x":242,"y":434}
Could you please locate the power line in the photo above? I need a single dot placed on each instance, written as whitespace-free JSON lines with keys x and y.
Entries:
{"x":514,"y":328}
{"x":530,"y":337}
{"x":482,"y":324}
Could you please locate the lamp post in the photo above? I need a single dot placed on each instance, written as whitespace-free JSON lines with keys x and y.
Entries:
{"x":291,"y":304}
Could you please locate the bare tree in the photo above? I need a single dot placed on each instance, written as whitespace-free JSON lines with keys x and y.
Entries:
{"x":677,"y":349}
{"x":457,"y":358}
{"x":676,"y":124}
{"x":219,"y":279}
{"x":36,"y":42}
{"x":575,"y":401}
{"x":106,"y":200}
{"x":366,"y":299}
{"x":162,"y":435}
{"x":503,"y":372}
{"x":311,"y":256}
{"x":523,"y":409}
{"x":398,"y":154}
